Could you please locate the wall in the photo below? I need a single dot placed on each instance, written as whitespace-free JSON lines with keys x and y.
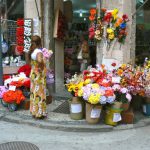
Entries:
{"x":30,"y":11}
{"x":124,"y":53}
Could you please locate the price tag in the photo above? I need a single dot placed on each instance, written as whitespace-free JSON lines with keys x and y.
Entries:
{"x":95,"y":113}
{"x":144,"y":108}
{"x":116,"y":117}
{"x":116,"y":79}
{"x":76,"y":108}
{"x":12,"y":88}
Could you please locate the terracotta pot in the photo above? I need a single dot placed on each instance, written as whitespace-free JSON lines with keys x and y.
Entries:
{"x":125,"y":106}
{"x":93,"y":113}
{"x":76,"y":109}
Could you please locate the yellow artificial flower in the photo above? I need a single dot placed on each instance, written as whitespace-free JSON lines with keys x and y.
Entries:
{"x":95,"y":85}
{"x":87,"y":81}
{"x":94,"y":99}
{"x":70,"y":88}
{"x":110,"y":30}
{"x":80,"y":92}
{"x":119,"y":72}
{"x":123,"y":66}
{"x":111,"y":36}
{"x":115,"y":11}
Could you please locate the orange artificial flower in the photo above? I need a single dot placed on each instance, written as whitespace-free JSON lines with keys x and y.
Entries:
{"x":104,"y":10}
{"x":92,"y":11}
{"x":91,"y":18}
{"x":119,"y":72}
{"x":109,"y":93}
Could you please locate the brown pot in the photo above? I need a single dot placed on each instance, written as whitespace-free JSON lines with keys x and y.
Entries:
{"x":93,"y":113}
{"x":125,"y":106}
{"x":76,"y":109}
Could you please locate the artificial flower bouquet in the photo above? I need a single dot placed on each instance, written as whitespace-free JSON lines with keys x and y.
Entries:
{"x":108,"y":26}
{"x":98,"y":89}
{"x":74,"y":84}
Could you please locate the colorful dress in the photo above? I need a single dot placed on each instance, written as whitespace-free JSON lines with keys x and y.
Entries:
{"x":38,"y":88}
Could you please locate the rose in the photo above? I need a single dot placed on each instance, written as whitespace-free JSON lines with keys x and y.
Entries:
{"x":123,"y":26}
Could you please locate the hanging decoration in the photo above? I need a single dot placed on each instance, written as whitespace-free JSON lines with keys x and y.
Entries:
{"x":108,"y":26}
{"x":27,"y":34}
{"x":20,"y":36}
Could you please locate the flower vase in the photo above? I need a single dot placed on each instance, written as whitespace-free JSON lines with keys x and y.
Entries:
{"x":113,"y":116}
{"x":4,"y":103}
{"x":93,"y":113}
{"x":76,"y":109}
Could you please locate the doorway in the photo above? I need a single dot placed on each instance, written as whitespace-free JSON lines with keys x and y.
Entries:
{"x":77,"y":15}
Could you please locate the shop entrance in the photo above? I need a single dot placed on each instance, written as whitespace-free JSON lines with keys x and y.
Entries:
{"x":77,"y":15}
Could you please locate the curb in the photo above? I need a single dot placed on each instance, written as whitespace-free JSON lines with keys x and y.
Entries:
{"x":70,"y":126}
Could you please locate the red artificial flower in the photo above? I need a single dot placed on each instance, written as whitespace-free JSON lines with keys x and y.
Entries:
{"x":125,"y":17}
{"x":20,"y":40}
{"x":5,"y":77}
{"x":26,"y":69}
{"x":108,"y":16}
{"x":26,"y":83}
{"x":19,"y":31}
{"x":17,"y":83}
{"x":109,"y":93}
{"x":20,"y":49}
{"x":20,"y":22}
{"x":113,"y":64}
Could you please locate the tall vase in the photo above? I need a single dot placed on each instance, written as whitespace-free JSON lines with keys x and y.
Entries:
{"x":76,"y":109}
{"x":93,"y":113}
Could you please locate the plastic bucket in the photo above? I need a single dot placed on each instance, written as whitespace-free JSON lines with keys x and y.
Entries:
{"x":146,"y":109}
{"x":112,"y":116}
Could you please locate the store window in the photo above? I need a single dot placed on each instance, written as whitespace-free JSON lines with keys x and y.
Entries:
{"x":77,"y":15}
{"x":142,"y":30}
{"x":11,"y":11}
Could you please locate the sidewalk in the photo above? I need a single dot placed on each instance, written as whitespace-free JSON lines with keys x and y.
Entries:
{"x":61,"y":121}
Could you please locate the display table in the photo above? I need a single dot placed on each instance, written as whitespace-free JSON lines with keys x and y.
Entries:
{"x":10,"y":69}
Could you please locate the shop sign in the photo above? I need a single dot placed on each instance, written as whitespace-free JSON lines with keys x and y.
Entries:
{"x":27,"y":34}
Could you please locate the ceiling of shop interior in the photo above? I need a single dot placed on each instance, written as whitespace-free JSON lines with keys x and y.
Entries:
{"x":82,"y":6}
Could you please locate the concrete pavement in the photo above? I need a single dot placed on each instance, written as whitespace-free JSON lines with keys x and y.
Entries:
{"x":61,"y":121}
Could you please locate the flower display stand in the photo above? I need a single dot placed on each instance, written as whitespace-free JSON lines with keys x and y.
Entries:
{"x":112,"y":116}
{"x":76,"y":109}
{"x":127,"y":116}
{"x":93,"y":113}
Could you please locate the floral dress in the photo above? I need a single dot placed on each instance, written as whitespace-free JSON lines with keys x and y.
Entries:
{"x":37,"y":89}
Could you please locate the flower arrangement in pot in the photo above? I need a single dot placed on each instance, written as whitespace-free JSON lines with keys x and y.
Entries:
{"x":96,"y":93}
{"x":76,"y":105}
